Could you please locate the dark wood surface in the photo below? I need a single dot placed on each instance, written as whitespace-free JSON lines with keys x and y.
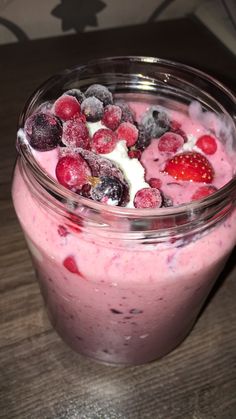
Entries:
{"x":40,"y":378}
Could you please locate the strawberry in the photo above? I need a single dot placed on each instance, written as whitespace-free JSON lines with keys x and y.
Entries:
{"x":191,"y":166}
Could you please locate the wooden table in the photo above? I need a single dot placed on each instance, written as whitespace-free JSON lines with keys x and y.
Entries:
{"x":39,"y":376}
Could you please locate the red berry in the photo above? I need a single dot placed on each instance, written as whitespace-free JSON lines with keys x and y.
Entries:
{"x":135,"y":154}
{"x":62,"y":231}
{"x":70,"y":265}
{"x":112,"y":116}
{"x":128,"y":132}
{"x":75,"y":133}
{"x":207,"y":144}
{"x":104,"y":141}
{"x":190,"y":166}
{"x":72,"y":172}
{"x":203,"y":191}
{"x":148,"y":198}
{"x":170,"y":142}
{"x":155,"y":183}
{"x":175,"y":127}
{"x":66,"y":107}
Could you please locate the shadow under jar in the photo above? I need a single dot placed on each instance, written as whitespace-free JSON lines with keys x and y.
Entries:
{"x":143,"y":274}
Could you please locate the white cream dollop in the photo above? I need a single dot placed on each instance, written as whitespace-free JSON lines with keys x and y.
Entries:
{"x":133,"y":170}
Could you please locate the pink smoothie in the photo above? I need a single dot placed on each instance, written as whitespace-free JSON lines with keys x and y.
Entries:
{"x":127,"y":302}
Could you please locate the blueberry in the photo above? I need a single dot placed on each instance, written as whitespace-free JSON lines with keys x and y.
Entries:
{"x":43,"y":131}
{"x":92,"y":108}
{"x":144,"y":138}
{"x":167,"y":201}
{"x":108,"y":190}
{"x":155,"y":122}
{"x":128,"y":114}
{"x":100,"y":92}
{"x":76,"y":93}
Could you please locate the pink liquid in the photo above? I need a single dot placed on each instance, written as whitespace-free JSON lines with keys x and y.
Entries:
{"x":131,"y":303}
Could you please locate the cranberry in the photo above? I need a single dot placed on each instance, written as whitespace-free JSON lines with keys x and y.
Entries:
{"x":155,"y":183}
{"x":66,"y":107}
{"x":134,"y":154}
{"x":128,"y":132}
{"x":72,"y":172}
{"x":112,"y":116}
{"x":207,"y":144}
{"x":148,"y":198}
{"x":104,"y":141}
{"x":170,"y":142}
{"x":76,"y":134}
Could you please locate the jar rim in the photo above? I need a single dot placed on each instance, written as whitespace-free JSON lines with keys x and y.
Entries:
{"x":64,"y":194}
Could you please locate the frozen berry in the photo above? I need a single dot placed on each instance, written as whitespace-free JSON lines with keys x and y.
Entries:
{"x":128,"y":114}
{"x":144,"y":138}
{"x":155,"y":122}
{"x":112,"y":116}
{"x":75,"y":134}
{"x":148,"y":198}
{"x":170,"y":142}
{"x":175,"y":127}
{"x":92,"y":108}
{"x":100,"y":92}
{"x":72,"y":172}
{"x":134,"y":154}
{"x":155,"y":183}
{"x":203,"y":192}
{"x":167,"y":201}
{"x":207,"y":144}
{"x":128,"y":132}
{"x":101,"y":166}
{"x":43,"y":131}
{"x":104,"y":141}
{"x":66,"y":107}
{"x":108,"y":190}
{"x":76,"y":93}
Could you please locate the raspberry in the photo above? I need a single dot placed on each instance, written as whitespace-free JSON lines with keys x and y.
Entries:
{"x":112,"y":117}
{"x":128,"y":132}
{"x":148,"y":198}
{"x":104,"y":141}
{"x":207,"y":144}
{"x":170,"y":142}
{"x":92,"y":108}
{"x":75,"y":134}
{"x":100,"y":92}
{"x":43,"y":131}
{"x":155,"y":183}
{"x":203,"y":192}
{"x":134,"y":154}
{"x":72,"y":172}
{"x":66,"y":107}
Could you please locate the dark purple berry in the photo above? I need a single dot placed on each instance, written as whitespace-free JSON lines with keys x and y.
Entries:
{"x":43,"y":131}
{"x":108,"y":190}
{"x":167,"y":201}
{"x":92,"y":108}
{"x":155,"y":122}
{"x":76,"y":93}
{"x":128,"y":115}
{"x":144,"y":138}
{"x":100,"y":92}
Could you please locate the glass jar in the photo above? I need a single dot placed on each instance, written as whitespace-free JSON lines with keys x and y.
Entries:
{"x":135,"y":280}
